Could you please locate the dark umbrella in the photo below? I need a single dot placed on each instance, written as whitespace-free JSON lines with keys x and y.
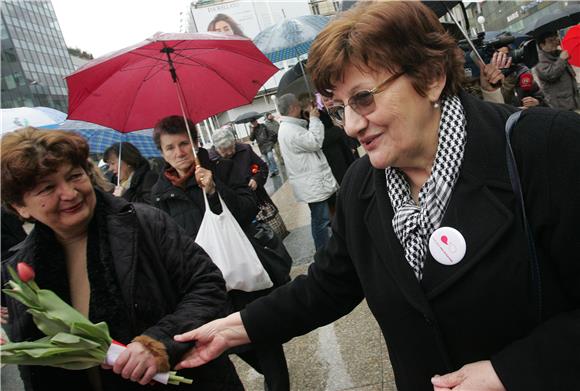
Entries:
{"x":247,"y":117}
{"x":555,"y":21}
{"x":294,"y":81}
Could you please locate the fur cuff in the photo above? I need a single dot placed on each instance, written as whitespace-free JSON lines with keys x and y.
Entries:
{"x":157,"y":349}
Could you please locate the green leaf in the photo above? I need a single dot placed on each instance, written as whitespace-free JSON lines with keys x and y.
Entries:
{"x":99,"y":331}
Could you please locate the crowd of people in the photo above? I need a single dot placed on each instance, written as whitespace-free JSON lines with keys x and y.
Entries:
{"x":473,"y":286}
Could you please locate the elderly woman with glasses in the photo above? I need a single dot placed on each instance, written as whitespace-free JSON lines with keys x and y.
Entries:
{"x":428,"y":227}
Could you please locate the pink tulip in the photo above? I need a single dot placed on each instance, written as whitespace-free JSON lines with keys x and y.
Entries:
{"x":25,"y":271}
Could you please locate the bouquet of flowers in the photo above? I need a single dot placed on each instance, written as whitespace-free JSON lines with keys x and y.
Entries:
{"x":71,"y":342}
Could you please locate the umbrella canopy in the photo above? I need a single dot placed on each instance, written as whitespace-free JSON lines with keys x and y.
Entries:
{"x":563,"y":18}
{"x":135,"y":87}
{"x":100,"y":138}
{"x":247,"y":117}
{"x":21,"y":117}
{"x":571,"y":43}
{"x":291,"y":37}
{"x":294,"y":81}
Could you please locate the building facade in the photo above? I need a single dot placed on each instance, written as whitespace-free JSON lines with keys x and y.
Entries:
{"x":35,"y":59}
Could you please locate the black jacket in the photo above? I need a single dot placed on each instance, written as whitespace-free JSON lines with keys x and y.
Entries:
{"x":186,"y":205}
{"x":140,"y":190}
{"x":167,"y":285}
{"x":241,"y":169}
{"x":481,"y":308}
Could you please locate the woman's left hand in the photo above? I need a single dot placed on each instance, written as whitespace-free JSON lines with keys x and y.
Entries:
{"x":204,"y":178}
{"x":477,"y":376}
{"x":136,"y":363}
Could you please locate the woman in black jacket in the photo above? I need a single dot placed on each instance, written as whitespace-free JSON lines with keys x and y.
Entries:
{"x":428,"y":227}
{"x":128,"y":265}
{"x":179,"y":193}
{"x":136,"y":176}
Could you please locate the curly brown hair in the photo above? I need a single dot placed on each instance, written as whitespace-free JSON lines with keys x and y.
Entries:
{"x":29,"y":154}
{"x":388,"y":36}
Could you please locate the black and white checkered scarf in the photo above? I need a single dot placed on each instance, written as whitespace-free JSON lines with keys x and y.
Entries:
{"x":413,"y":224}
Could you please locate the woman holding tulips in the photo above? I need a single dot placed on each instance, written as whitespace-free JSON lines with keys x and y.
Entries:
{"x":127,"y":265}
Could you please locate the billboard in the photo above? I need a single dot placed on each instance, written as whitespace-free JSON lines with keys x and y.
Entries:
{"x":230,"y":18}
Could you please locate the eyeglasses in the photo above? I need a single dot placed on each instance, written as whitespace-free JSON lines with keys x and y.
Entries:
{"x":363,"y":102}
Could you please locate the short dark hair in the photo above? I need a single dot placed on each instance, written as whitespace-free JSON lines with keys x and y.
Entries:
{"x":29,"y":154}
{"x":129,"y":154}
{"x":541,"y":39}
{"x":174,"y":124}
{"x":405,"y":36}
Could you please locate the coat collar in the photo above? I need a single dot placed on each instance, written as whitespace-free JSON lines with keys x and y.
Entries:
{"x":474,"y":208}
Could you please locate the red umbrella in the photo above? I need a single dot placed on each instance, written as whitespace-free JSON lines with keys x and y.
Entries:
{"x":571,"y":43}
{"x":135,"y":87}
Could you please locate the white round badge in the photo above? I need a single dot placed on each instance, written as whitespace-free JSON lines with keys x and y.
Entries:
{"x":447,"y":246}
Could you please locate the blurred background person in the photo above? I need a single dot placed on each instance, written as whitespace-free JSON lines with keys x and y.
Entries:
{"x":223,"y":23}
{"x":266,"y":140}
{"x":134,"y":172}
{"x":308,"y":170}
{"x":273,"y":125}
{"x":557,"y":76}
{"x":80,"y":248}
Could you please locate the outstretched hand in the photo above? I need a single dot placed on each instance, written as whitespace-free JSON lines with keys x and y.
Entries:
{"x":212,"y":339}
{"x":477,"y":376}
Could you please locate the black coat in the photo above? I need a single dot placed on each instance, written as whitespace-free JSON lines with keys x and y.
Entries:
{"x":186,"y":205}
{"x":481,"y":308}
{"x":241,"y":169}
{"x":167,"y":285}
{"x":140,"y":190}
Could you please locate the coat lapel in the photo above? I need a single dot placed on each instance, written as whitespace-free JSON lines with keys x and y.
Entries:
{"x":474,"y":209}
{"x":378,"y":217}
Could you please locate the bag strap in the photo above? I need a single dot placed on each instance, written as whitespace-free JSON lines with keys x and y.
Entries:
{"x":517,"y":189}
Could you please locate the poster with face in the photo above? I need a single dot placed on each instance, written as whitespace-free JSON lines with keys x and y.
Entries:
{"x":237,"y":18}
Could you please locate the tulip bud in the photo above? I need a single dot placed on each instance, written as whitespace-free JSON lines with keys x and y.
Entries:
{"x":25,"y":271}
{"x":255,"y":169}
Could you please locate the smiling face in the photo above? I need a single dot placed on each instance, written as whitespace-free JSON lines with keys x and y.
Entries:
{"x":176,"y":150}
{"x":64,"y":201}
{"x":402,"y":130}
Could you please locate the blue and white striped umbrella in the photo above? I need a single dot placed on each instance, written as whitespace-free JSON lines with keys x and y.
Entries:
{"x":100,"y":138}
{"x":290,"y":38}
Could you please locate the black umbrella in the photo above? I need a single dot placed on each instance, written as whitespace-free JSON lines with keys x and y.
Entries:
{"x":564,"y":17}
{"x":439,"y":7}
{"x":293,"y":81}
{"x":247,"y":117}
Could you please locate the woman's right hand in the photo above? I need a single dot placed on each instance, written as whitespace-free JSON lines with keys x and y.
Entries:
{"x":118,"y":192}
{"x":212,"y":339}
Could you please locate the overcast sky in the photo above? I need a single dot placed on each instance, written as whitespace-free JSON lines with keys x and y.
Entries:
{"x":102,"y":26}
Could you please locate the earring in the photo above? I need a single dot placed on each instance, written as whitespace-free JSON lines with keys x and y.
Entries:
{"x":436,"y":104}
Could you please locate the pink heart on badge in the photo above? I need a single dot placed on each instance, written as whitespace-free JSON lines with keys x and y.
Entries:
{"x":444,"y":239}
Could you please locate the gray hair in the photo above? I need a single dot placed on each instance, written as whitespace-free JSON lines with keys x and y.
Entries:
{"x":285,"y":103}
{"x":223,"y":138}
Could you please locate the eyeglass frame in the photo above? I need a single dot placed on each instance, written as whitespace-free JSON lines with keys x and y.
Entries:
{"x":377,"y":90}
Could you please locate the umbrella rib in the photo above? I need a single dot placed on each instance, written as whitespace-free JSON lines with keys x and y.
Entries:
{"x":234,"y":85}
{"x":147,"y":77}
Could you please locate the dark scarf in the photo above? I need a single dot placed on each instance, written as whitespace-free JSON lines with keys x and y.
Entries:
{"x":177,"y":181}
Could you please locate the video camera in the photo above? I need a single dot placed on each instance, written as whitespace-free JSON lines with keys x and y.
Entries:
{"x":525,"y":53}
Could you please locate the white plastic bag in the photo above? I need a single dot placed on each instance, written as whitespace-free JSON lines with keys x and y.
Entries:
{"x":229,"y":248}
